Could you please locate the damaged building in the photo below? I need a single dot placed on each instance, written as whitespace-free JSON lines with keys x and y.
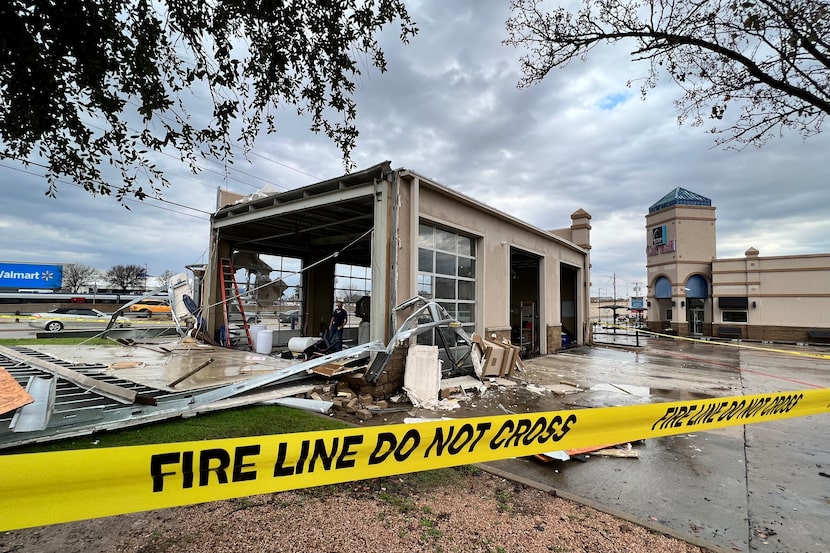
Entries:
{"x":410,"y":236}
{"x":450,"y":287}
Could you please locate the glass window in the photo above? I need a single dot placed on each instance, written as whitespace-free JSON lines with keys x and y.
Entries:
{"x":466,"y":245}
{"x":734,"y":316}
{"x":466,"y":267}
{"x":446,"y":273}
{"x":425,"y":260}
{"x":444,"y":240}
{"x":425,"y":236}
{"x":425,"y":286}
{"x":351,"y":282}
{"x":465,"y":312}
{"x":445,"y":288}
{"x":466,"y":290}
{"x":445,"y":264}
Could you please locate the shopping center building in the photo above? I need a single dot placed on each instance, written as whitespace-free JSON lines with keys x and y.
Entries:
{"x":693,"y":293}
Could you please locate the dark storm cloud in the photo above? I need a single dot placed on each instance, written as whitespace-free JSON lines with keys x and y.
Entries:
{"x":448,"y":108}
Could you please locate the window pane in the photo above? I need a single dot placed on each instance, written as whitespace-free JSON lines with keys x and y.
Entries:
{"x":425,"y":239}
{"x":351,"y":282}
{"x":450,"y":307}
{"x":425,"y":260}
{"x":465,"y":312}
{"x":445,"y":264}
{"x":466,"y":290}
{"x":734,"y":316}
{"x":449,"y":335}
{"x":466,"y":267}
{"x":444,"y":240}
{"x":425,"y":286}
{"x":466,"y":245}
{"x":425,"y":338}
{"x":445,"y":288}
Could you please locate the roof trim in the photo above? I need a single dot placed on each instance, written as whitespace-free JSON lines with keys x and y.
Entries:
{"x":679,"y":196}
{"x":462,"y":198}
{"x":343,"y":182}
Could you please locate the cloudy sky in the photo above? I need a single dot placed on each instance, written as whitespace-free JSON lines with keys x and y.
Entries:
{"x":448,"y":108}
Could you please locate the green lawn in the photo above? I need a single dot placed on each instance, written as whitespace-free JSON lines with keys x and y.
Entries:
{"x":241,"y":421}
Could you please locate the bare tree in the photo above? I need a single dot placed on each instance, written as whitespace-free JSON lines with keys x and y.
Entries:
{"x":76,"y":275}
{"x":89,"y":84}
{"x":166,"y":277}
{"x":768,"y":61}
{"x":125,"y":277}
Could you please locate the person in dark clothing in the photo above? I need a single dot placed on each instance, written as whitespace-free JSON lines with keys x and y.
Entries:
{"x":339,"y":317}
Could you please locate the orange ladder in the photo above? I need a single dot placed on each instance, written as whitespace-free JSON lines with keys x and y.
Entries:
{"x":232,"y":305}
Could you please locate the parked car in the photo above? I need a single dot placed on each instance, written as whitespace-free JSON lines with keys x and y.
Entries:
{"x":74,"y":317}
{"x":149,"y":307}
{"x":288,"y":316}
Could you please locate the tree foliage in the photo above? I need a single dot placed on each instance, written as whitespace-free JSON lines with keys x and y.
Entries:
{"x":126,"y":277}
{"x":91,"y":83}
{"x":76,"y":275}
{"x":753,"y":66}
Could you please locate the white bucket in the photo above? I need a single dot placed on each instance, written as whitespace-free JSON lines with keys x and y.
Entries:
{"x":264,"y":341}
{"x":300,"y":343}
{"x":253,"y":330}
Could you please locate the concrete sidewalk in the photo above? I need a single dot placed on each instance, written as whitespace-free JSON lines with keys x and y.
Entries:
{"x":761,"y":487}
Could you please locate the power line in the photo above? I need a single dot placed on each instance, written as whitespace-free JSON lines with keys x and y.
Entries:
{"x":127,"y":200}
{"x":284,"y":165}
{"x":246,"y":154}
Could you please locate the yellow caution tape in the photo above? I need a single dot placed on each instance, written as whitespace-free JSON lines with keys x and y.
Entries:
{"x":811,"y":355}
{"x":47,"y":488}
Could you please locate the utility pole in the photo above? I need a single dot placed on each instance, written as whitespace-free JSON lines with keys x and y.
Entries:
{"x":614,"y":305}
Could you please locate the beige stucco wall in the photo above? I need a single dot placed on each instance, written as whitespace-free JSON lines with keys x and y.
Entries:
{"x":786,"y":290}
{"x":496,"y":236}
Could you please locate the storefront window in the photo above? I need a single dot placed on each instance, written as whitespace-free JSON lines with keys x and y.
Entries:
{"x":735,"y":316}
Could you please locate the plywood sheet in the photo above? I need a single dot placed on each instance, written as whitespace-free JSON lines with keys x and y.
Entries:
{"x":12,"y":394}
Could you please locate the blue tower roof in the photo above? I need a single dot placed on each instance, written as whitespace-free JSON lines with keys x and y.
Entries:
{"x":679,"y":196}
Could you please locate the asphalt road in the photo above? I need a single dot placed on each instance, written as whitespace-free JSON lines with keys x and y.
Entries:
{"x":760,"y":487}
{"x":11,"y":329}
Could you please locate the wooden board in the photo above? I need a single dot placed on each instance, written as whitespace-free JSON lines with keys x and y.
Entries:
{"x":12,"y":394}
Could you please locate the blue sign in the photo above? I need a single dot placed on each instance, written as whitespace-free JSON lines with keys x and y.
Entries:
{"x":637,"y":303}
{"x":658,"y":235}
{"x":31,"y":276}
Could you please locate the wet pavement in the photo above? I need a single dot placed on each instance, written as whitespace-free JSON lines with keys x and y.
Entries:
{"x":762,"y":487}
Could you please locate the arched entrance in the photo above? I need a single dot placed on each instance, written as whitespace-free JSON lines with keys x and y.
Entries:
{"x":697,"y":291}
{"x":662,"y":311}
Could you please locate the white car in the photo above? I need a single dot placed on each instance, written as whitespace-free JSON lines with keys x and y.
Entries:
{"x":74,"y":317}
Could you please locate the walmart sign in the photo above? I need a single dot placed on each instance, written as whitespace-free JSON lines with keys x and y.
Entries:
{"x":30,"y":276}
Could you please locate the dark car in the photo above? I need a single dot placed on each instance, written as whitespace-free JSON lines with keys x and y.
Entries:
{"x":288,"y":316}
